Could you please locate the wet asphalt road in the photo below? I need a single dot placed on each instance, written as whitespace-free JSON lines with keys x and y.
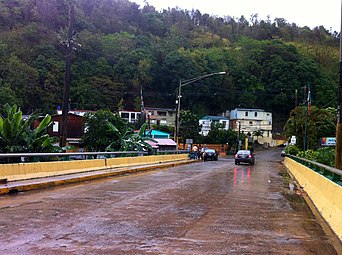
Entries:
{"x":202,"y":208}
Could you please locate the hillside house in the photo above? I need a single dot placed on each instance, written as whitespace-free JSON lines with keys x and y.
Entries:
{"x":207,"y":121}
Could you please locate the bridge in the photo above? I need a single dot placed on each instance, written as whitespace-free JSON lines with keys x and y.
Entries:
{"x":170,"y":205}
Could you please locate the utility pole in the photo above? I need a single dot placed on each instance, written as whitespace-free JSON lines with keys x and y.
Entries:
{"x":238,"y":141}
{"x":67,"y":79}
{"x":308,"y":103}
{"x":142,"y":106}
{"x":339,"y":115}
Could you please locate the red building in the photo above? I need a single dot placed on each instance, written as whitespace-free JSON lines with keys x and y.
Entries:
{"x":75,"y":129}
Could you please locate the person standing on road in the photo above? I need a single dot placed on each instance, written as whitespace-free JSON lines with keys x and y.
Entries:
{"x":195,"y":152}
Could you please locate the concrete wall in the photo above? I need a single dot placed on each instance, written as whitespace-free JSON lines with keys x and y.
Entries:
{"x":325,"y":194}
{"x":23,"y":171}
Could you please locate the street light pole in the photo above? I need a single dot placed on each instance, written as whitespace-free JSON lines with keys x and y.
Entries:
{"x":183,"y":83}
{"x":338,"y":147}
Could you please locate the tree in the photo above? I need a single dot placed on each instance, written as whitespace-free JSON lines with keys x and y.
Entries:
{"x":218,"y":135}
{"x":321,"y":123}
{"x":189,"y":126}
{"x":98,"y":136}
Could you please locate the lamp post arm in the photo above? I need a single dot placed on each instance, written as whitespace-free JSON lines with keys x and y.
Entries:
{"x":183,"y":83}
{"x":186,"y":82}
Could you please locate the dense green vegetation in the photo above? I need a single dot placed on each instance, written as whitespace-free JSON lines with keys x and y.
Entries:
{"x":324,"y":155}
{"x":321,"y":123}
{"x":19,"y":135}
{"x":120,"y":47}
{"x":106,"y":131}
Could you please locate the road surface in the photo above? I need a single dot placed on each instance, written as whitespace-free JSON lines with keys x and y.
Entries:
{"x":201,"y":208}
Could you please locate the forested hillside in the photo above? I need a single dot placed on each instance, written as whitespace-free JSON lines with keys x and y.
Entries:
{"x":121,"y":46}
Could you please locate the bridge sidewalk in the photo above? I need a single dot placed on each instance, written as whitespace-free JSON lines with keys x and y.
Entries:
{"x":38,"y":183}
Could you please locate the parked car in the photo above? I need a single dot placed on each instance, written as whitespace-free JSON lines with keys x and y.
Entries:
{"x":244,"y":156}
{"x":210,"y":154}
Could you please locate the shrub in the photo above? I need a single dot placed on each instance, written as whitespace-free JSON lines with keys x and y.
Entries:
{"x":326,"y":156}
{"x":309,"y":154}
{"x":292,"y":150}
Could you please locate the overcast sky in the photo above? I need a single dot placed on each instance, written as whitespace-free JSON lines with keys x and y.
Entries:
{"x":309,"y":13}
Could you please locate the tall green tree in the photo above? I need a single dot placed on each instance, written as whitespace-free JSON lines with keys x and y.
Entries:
{"x":189,"y":126}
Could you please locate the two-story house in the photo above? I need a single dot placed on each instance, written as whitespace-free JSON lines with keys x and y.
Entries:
{"x":207,"y":121}
{"x":153,"y":116}
{"x":160,"y":116}
{"x":253,"y":121}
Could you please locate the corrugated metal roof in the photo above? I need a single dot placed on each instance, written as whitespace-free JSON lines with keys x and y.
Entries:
{"x":162,"y":142}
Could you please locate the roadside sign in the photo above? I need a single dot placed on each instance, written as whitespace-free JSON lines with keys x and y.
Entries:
{"x":189,"y":141}
{"x":293,"y":140}
{"x":328,"y":141}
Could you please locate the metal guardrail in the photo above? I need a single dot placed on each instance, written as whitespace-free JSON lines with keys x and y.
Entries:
{"x":65,"y":155}
{"x":82,"y":155}
{"x":329,"y":172}
{"x":68,"y":154}
{"x":173,"y":152}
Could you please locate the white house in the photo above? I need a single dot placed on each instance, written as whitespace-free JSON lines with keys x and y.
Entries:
{"x":130,"y":116}
{"x":206,"y":122}
{"x":252,"y":120}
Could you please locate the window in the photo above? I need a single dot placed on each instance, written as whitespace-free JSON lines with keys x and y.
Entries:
{"x":124,"y":115}
{"x":161,"y":113}
{"x":251,"y":123}
{"x":132,"y":116}
{"x":224,"y":123}
{"x":255,"y":114}
{"x":246,"y":113}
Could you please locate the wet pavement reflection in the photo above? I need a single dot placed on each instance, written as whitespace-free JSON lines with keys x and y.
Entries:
{"x":203,"y":208}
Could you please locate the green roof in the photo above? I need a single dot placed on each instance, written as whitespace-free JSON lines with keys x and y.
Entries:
{"x":214,"y":118}
{"x":157,"y":134}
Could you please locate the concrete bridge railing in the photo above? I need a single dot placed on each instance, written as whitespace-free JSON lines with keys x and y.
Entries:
{"x":324,"y":191}
{"x":24,"y":171}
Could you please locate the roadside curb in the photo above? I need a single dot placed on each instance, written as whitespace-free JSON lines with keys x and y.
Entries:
{"x":40,"y":183}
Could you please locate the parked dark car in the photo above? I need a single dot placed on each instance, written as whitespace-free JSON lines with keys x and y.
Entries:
{"x":210,"y":154}
{"x":244,"y":156}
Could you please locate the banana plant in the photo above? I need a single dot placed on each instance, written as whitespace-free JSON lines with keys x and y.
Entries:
{"x":17,"y":134}
{"x":37,"y":140}
{"x":12,"y":129}
{"x":131,"y":141}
